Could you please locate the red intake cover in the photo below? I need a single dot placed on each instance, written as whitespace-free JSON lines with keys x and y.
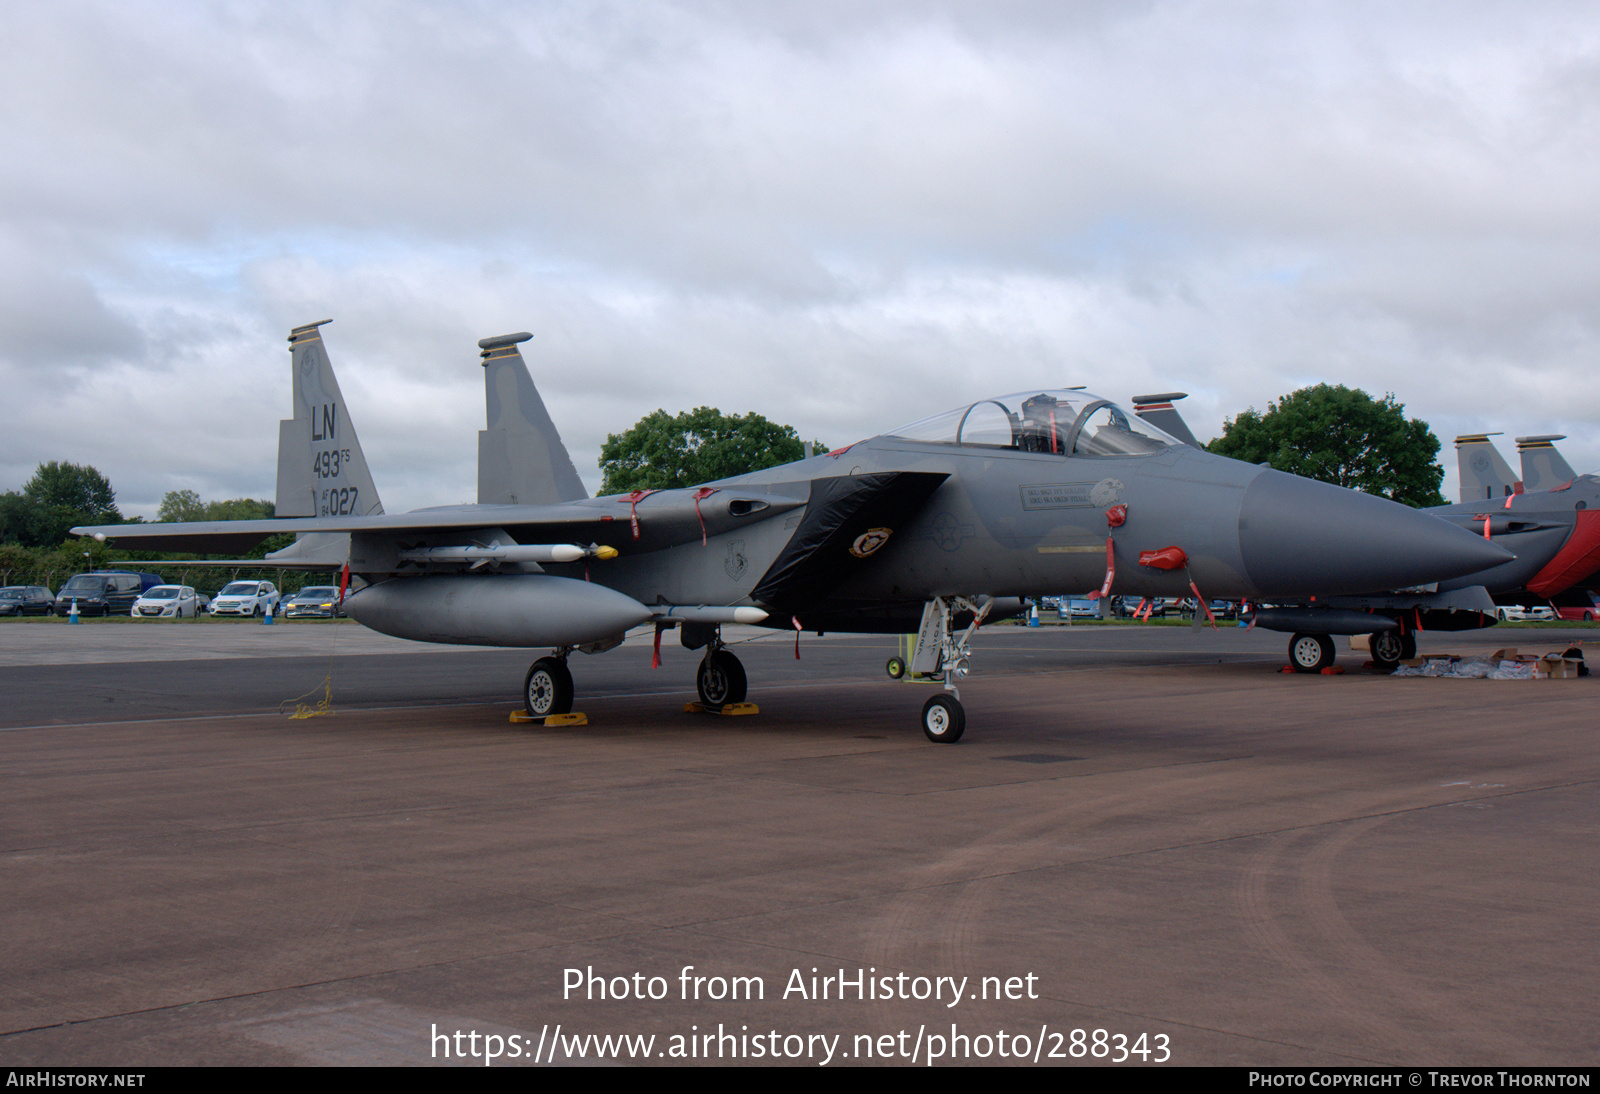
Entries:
{"x":1167,"y":558}
{"x":1578,"y":558}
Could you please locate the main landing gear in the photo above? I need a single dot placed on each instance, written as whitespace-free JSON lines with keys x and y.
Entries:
{"x":720,"y":679}
{"x":1310,"y":652}
{"x":547,"y":689}
{"x":940,"y":652}
{"x":1389,"y":648}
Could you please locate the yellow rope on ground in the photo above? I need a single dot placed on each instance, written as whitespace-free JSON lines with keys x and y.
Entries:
{"x":325,"y":704}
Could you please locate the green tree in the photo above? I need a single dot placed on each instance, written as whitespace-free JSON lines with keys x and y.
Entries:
{"x":663,"y":452}
{"x":1344,"y":436}
{"x":19,"y":519}
{"x":58,"y":496}
{"x":180,"y":505}
{"x":78,"y":488}
{"x":239,"y":509}
{"x":185,"y":505}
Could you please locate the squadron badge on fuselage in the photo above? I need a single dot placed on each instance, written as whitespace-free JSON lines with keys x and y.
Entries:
{"x":735,"y":563}
{"x":869,"y":541}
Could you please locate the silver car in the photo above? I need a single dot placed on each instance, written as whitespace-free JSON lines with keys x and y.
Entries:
{"x":168,"y":602}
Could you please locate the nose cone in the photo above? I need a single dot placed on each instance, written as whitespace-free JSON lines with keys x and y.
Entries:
{"x":1306,"y":538}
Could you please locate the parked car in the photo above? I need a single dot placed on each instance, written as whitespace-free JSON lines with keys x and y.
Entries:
{"x":246,"y":598}
{"x":27,"y":600}
{"x":314,"y":602}
{"x":168,"y":602}
{"x":1124,"y":606}
{"x":1580,"y":606}
{"x":1220,"y":609}
{"x":1079,"y":607}
{"x":104,"y":591}
{"x":1520,"y":613}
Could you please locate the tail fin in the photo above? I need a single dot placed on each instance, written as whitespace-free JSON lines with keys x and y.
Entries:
{"x":1159,"y":412}
{"x":1542,"y":466}
{"x":521,"y":460}
{"x":321,"y":471}
{"x":1484,"y":472}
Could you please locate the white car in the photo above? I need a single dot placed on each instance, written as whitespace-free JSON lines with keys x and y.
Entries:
{"x":1517,"y":613}
{"x":246,"y":598}
{"x":167,"y":602}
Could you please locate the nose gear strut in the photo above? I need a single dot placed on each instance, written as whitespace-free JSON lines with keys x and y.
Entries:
{"x":940,"y":652}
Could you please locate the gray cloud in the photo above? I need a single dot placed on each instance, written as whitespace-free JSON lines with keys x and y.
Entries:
{"x":843,"y":216}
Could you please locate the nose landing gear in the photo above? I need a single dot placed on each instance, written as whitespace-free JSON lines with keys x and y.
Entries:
{"x":943,"y":719}
{"x":940,"y":652}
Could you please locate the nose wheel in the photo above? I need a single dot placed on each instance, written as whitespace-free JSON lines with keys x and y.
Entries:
{"x":720,"y":680}
{"x":548,"y":688}
{"x":943,"y":719}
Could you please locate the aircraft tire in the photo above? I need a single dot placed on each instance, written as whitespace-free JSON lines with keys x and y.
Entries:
{"x":548,"y":688}
{"x":896,"y":668}
{"x":1310,"y":652}
{"x":1389,"y":649}
{"x":720,"y":680}
{"x":943,"y":719}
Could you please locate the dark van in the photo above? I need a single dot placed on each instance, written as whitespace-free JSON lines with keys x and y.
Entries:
{"x":104,"y":592}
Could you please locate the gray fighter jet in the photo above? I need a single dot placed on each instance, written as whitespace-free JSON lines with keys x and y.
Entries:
{"x":933,"y":527}
{"x":1550,"y":519}
{"x":1552,"y":530}
{"x":1554,"y":534}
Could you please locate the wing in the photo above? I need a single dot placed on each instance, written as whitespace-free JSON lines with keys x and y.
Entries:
{"x":629,"y":523}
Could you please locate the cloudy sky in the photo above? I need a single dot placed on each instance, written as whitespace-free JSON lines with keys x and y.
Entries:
{"x":841,"y":215}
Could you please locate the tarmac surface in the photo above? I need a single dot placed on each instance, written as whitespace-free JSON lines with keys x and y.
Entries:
{"x":1147,"y":831}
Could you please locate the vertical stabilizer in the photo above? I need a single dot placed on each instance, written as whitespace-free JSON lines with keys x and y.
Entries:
{"x":1484,"y":472}
{"x":521,"y":460}
{"x":1542,"y":466}
{"x":1159,"y":412}
{"x":321,"y":471}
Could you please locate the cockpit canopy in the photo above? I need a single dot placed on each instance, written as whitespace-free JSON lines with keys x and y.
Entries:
{"x":1065,"y":423}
